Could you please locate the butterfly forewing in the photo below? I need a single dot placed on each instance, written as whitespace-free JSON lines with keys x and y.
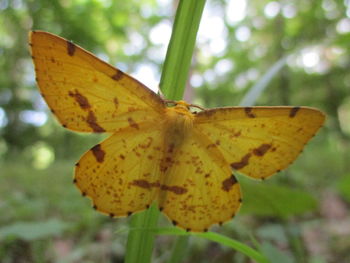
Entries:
{"x":259,"y":141}
{"x":85,"y":93}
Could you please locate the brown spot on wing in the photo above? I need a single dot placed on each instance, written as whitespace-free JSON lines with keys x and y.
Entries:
{"x":293,"y":112}
{"x":212,"y":145}
{"x":82,"y":100}
{"x":242,"y":163}
{"x":147,"y":143}
{"x":92,"y":121}
{"x":70,"y":48}
{"x":236,"y":134}
{"x":262,"y":149}
{"x":116,"y":102}
{"x":98,"y":153}
{"x":145,"y":184}
{"x":175,"y":189}
{"x":133,"y":124}
{"x":171,"y":147}
{"x":248,"y":112}
{"x":142,"y":183}
{"x":118,"y":75}
{"x":228,"y":183}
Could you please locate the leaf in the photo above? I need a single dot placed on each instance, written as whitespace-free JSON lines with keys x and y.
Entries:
{"x":218,"y":238}
{"x":275,"y":200}
{"x":30,"y":231}
{"x":343,"y":186}
{"x":275,"y":255}
{"x":253,"y":94}
{"x":274,"y":232}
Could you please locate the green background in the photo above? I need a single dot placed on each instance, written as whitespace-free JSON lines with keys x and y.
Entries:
{"x":301,"y":215}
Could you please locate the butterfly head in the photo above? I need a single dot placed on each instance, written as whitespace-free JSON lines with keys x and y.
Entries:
{"x":179,"y":108}
{"x":182,"y":106}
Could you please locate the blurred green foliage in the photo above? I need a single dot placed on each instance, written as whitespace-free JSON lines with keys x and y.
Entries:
{"x":274,"y":200}
{"x":33,"y":231}
{"x":235,"y":48}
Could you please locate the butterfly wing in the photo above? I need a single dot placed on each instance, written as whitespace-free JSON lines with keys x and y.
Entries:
{"x":259,"y":141}
{"x":121,"y":175}
{"x":85,"y":93}
{"x":198,"y":189}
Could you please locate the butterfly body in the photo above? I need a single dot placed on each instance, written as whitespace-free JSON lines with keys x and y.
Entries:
{"x":185,"y":162}
{"x":178,"y":123}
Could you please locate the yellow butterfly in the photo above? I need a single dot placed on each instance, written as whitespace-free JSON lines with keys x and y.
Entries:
{"x":161,"y":151}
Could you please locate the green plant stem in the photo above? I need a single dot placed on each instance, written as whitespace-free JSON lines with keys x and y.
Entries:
{"x":179,"y":54}
{"x":175,"y":73}
{"x":140,"y":241}
{"x":179,"y":250}
{"x":174,"y":76}
{"x":218,"y":238}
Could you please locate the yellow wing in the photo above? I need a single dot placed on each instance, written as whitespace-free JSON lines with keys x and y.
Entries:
{"x":85,"y":93}
{"x":121,"y":175}
{"x":259,"y":141}
{"x":198,"y":189}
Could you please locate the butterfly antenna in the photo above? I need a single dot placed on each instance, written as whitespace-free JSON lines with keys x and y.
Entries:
{"x":196,"y":106}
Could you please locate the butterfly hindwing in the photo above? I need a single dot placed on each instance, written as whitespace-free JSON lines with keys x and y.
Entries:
{"x":121,"y":174}
{"x":259,"y":141}
{"x":85,"y":93}
{"x":198,"y":187}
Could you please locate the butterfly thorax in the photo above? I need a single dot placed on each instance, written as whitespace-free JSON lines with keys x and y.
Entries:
{"x":178,"y":122}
